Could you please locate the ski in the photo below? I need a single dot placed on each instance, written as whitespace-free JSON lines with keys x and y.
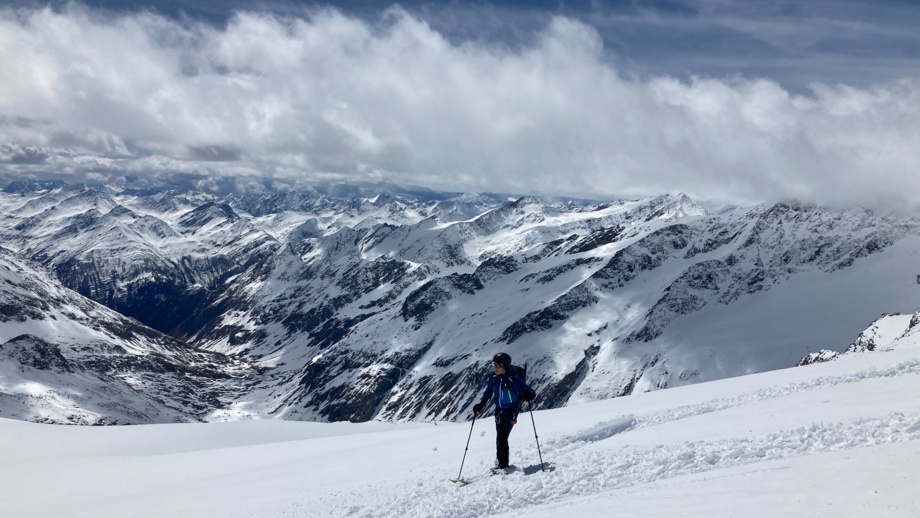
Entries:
{"x":462,"y":482}
{"x":503,"y":471}
{"x":529,"y":470}
{"x":465,"y":481}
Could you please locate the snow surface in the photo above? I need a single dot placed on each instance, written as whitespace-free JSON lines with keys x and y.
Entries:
{"x":830,"y":439}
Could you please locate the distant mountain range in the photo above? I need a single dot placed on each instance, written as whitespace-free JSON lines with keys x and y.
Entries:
{"x":339,"y":304}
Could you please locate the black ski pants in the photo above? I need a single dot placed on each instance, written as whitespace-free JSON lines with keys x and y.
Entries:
{"x":504,"y":422}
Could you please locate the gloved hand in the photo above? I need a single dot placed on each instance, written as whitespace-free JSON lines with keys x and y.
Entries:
{"x":529,"y":396}
{"x":478,"y":407}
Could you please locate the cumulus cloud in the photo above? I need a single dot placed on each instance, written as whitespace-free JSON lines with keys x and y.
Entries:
{"x":327,"y":96}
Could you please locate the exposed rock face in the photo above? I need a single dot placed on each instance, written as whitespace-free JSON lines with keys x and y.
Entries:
{"x":316,"y":306}
{"x":824,"y":355}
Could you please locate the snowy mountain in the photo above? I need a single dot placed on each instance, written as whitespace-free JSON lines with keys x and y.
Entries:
{"x":390,"y":306}
{"x":66,"y":359}
{"x":139,"y":261}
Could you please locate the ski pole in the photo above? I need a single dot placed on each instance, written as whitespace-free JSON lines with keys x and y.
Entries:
{"x":537,"y":437}
{"x":467,"y":446}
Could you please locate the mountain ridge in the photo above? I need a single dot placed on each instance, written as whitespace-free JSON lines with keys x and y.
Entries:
{"x":387,"y":307}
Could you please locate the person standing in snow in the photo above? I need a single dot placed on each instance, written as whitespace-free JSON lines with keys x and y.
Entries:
{"x":508,"y":390}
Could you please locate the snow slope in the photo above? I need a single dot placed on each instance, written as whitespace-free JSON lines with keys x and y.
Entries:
{"x":834,"y":439}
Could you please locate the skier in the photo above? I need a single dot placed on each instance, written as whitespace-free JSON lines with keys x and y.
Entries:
{"x":508,"y":390}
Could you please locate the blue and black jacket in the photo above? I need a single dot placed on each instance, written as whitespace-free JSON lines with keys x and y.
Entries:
{"x":506,"y":391}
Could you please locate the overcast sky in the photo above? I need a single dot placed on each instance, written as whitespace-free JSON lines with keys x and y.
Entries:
{"x":728,"y":101}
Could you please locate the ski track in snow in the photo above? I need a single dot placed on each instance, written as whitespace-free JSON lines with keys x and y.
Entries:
{"x":714,"y":405}
{"x":583,"y":473}
{"x":580,"y":471}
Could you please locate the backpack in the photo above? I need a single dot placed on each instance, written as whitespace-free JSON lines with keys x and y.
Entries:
{"x":519,"y":372}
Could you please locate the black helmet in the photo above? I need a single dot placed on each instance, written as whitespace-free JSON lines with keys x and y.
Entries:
{"x":503,"y":360}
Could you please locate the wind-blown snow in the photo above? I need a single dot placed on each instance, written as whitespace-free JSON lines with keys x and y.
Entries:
{"x":836,"y":439}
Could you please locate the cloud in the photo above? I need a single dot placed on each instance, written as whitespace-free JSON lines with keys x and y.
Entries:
{"x":22,"y":155}
{"x":327,"y":96}
{"x":215,"y":153}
